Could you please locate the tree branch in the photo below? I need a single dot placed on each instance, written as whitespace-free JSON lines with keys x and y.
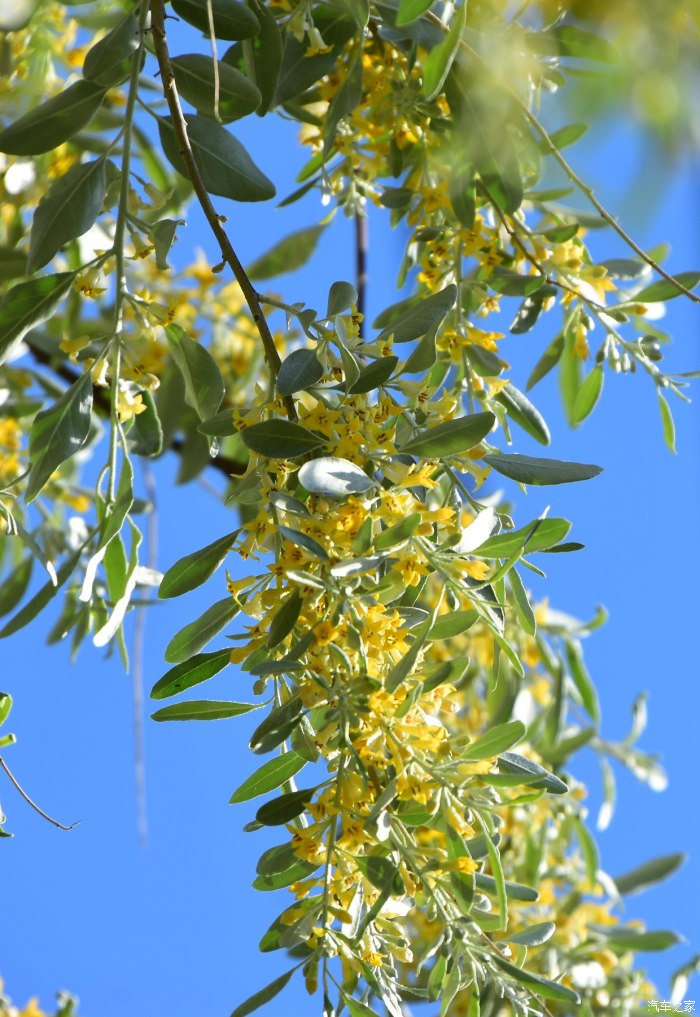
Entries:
{"x":568,"y":169}
{"x":160,"y":46}
{"x":29,"y":801}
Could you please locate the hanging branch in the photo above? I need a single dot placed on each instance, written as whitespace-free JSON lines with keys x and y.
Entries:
{"x":568,"y":169}
{"x":29,"y":801}
{"x":160,"y":46}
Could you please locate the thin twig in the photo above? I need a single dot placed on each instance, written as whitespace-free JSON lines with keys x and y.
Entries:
{"x":160,"y":46}
{"x":567,"y":168}
{"x":361,"y":247}
{"x":28,"y":800}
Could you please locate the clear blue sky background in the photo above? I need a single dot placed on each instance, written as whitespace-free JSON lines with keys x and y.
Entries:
{"x":173,"y":928}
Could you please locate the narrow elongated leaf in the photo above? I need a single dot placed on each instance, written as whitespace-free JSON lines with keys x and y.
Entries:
{"x":346,"y":99}
{"x":374,"y":375}
{"x":589,"y":393}
{"x":108,"y":62}
{"x":538,"y":536}
{"x":521,"y":410}
{"x":400,"y":672}
{"x":439,"y":60}
{"x":225,"y":166}
{"x":381,"y":872}
{"x":267,"y":55}
{"x":549,"y":359}
{"x":280,"y":439}
{"x":421,"y":316}
{"x":649,"y":873}
{"x":534,"y":935}
{"x":542,"y":986}
{"x":27,"y":305}
{"x":67,"y":210}
{"x":193,"y":637}
{"x":299,"y":371}
{"x":303,"y":540}
{"x":540,"y":472}
{"x":232,"y":19}
{"x":53,"y":121}
{"x":669,"y":428}
{"x":515,"y":891}
{"x":521,"y":603}
{"x":582,"y":680}
{"x":563,"y":137}
{"x":14,"y":586}
{"x":532,"y":773}
{"x":631,"y":939}
{"x":284,"y":620}
{"x":453,"y":624}
{"x":334,"y":477}
{"x":277,"y":726}
{"x":259,"y":999}
{"x":288,"y":255}
{"x":495,"y":741}
{"x":58,"y":433}
{"x":204,"y":709}
{"x":39,"y":601}
{"x":268,"y":777}
{"x":399,"y":532}
{"x":285,"y":808}
{"x":204,"y":386}
{"x":196,"y":78}
{"x":665,"y":290}
{"x":194,"y":569}
{"x":451,"y":438}
{"x":199,"y":668}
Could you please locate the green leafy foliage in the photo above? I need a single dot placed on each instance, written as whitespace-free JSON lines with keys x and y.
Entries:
{"x":53,"y":121}
{"x":198,"y":79}
{"x":27,"y":305}
{"x":194,"y":569}
{"x":58,"y":433}
{"x":540,"y":472}
{"x":226,"y":168}
{"x":68,"y":209}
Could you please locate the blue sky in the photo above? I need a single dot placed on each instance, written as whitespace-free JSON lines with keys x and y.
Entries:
{"x":173,"y":928}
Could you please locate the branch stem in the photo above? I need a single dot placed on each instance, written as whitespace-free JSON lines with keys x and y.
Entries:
{"x":228,"y":254}
{"x":29,"y":801}
{"x":570,"y":172}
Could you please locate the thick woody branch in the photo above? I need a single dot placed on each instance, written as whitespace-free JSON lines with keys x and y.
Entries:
{"x":160,"y":46}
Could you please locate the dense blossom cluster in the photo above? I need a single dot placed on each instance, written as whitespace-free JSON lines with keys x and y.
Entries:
{"x":390,"y":631}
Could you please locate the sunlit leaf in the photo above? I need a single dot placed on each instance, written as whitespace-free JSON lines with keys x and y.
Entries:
{"x":54,"y":121}
{"x":58,"y":433}
{"x":540,"y":472}
{"x":67,"y":210}
{"x":199,"y":668}
{"x":194,"y":569}
{"x":203,"y":709}
{"x":268,"y":777}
